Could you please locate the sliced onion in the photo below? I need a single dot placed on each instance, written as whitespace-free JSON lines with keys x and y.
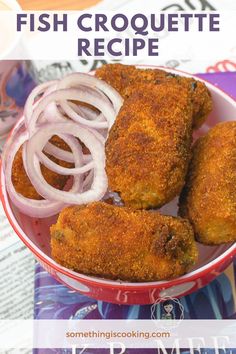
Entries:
{"x":31,"y":207}
{"x":72,"y":112}
{"x":63,"y":170}
{"x":79,"y":119}
{"x":98,"y":135}
{"x":77,"y":109}
{"x":78,"y":160}
{"x":28,"y":110}
{"x":15,"y":133}
{"x":59,"y":111}
{"x":100,"y":118}
{"x":85,"y":112}
{"x":51,"y":87}
{"x":78,"y":79}
{"x":58,"y":153}
{"x":71,"y":94}
{"x":52,"y":114}
{"x":88,"y":181}
{"x":38,"y":141}
{"x":63,"y":154}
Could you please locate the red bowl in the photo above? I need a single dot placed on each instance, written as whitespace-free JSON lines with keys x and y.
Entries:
{"x":212,"y":260}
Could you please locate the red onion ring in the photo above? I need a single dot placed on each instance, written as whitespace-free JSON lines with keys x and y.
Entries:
{"x":72,"y":112}
{"x":78,"y":160}
{"x":63,"y":170}
{"x":85,"y":112}
{"x":53,"y":114}
{"x":88,"y":181}
{"x":79,"y":119}
{"x":42,"y":88}
{"x":38,"y":141}
{"x":48,"y":116}
{"x":58,"y":153}
{"x":98,"y":135}
{"x":62,"y":154}
{"x":77,"y":79}
{"x":31,"y":207}
{"x":71,"y":94}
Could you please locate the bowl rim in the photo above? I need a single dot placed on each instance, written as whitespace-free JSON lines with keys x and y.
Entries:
{"x":106,"y":283}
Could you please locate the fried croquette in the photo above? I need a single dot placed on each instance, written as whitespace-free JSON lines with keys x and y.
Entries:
{"x":209,"y":196}
{"x":21,"y":181}
{"x":148,"y":148}
{"x":120,"y":243}
{"x":127,"y":78}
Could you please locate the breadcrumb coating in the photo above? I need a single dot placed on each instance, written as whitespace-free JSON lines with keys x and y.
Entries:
{"x":148,"y":148}
{"x":127,"y":78}
{"x":209,"y":196}
{"x":120,"y":243}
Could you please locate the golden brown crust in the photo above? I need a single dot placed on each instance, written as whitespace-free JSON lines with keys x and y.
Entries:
{"x":147,"y":152}
{"x":202,"y":102}
{"x":126,"y":78}
{"x":209,"y":197}
{"x":118,"y":76}
{"x":123,"y":244}
{"x":21,"y":181}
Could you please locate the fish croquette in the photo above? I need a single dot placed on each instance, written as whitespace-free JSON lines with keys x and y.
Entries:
{"x":120,"y":243}
{"x":148,"y":148}
{"x":208,"y":199}
{"x":127,"y":78}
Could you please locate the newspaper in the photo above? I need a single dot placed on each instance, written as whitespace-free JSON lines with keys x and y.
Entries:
{"x":17,"y":274}
{"x":17,"y":267}
{"x":17,"y":271}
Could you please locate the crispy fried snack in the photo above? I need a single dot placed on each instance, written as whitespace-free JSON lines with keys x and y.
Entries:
{"x":123,"y":244}
{"x":209,"y":196}
{"x":126,"y":78}
{"x":21,"y":181}
{"x":148,"y":149}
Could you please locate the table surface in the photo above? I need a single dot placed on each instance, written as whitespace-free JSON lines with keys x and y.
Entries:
{"x":56,"y":5}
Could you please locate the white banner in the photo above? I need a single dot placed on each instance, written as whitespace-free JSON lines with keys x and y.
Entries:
{"x":153,"y":35}
{"x":218,"y":334}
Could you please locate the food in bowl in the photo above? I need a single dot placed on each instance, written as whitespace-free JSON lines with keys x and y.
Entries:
{"x":208,"y":199}
{"x":82,"y":129}
{"x":127,"y":78}
{"x":148,"y":148}
{"x":81,"y":111}
{"x":122,"y":243}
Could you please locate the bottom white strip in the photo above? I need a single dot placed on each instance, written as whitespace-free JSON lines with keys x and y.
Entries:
{"x":218,"y":334}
